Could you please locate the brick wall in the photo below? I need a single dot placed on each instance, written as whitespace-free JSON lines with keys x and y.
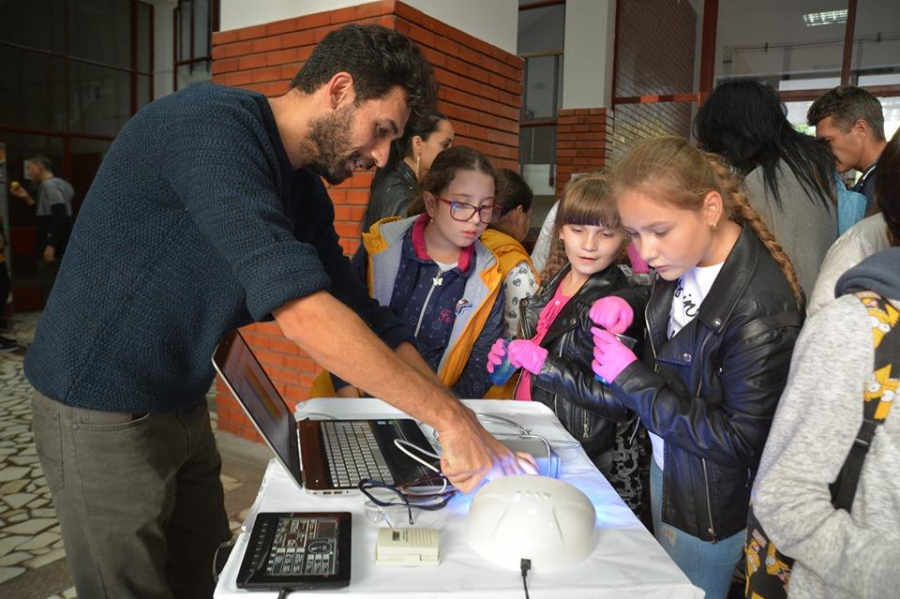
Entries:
{"x":583,"y":138}
{"x":481,"y":85}
{"x":590,"y":138}
{"x":640,"y":121}
{"x":655,"y":55}
{"x":481,"y":89}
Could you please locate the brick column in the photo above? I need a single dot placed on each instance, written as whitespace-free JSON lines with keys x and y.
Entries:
{"x":663,"y":67}
{"x":481,"y":93}
{"x":583,"y":142}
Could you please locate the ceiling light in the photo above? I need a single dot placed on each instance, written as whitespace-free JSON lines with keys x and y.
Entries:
{"x":828,"y":17}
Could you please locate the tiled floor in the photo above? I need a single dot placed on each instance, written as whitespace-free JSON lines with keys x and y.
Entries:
{"x":31,"y":548}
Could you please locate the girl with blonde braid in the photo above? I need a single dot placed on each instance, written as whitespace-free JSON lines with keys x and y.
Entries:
{"x":723,"y":315}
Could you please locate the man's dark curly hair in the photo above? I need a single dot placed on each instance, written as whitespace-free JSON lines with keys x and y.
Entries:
{"x":378,"y":59}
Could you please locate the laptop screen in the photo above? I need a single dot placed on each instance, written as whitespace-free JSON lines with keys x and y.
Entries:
{"x":250,"y":383}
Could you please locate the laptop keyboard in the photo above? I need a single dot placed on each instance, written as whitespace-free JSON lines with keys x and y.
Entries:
{"x":353,"y":454}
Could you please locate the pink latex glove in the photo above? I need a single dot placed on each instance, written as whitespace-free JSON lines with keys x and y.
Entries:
{"x":610,"y":356}
{"x":495,"y":356}
{"x":528,"y":355}
{"x":612,"y":313}
{"x":637,"y":263}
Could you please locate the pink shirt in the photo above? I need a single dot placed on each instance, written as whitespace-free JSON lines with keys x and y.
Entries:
{"x":548,"y":315}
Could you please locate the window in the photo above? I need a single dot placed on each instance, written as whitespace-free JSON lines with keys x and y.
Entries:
{"x":195,"y":22}
{"x":800,"y":48}
{"x":74,"y":72}
{"x":541,"y":38}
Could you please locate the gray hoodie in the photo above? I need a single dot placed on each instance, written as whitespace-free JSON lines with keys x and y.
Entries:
{"x":838,"y":554}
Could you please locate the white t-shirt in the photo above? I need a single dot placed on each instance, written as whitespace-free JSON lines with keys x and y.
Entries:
{"x":689,"y":294}
{"x":445,"y":266}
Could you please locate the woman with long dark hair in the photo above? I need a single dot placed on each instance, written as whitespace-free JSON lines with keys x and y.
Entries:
{"x":400,"y":180}
{"x":788,"y":176}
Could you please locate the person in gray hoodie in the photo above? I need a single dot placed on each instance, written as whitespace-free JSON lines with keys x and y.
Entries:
{"x":839,"y":554}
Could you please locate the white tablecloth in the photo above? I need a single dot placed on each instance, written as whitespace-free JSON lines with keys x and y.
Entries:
{"x":627,"y":562}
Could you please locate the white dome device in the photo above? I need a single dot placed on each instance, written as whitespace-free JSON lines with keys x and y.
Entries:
{"x":547,"y":521}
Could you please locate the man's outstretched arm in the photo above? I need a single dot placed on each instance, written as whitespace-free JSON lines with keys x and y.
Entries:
{"x":338,"y":340}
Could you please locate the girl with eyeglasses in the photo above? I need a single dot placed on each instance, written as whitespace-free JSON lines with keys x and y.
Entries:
{"x":434,"y":273}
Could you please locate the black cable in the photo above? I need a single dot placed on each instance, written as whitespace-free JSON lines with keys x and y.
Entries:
{"x":525,"y":566}
{"x":229,"y":542}
{"x":283,"y":593}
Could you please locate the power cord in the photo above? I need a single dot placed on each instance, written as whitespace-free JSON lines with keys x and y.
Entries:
{"x":405,"y":446}
{"x":497,"y":419}
{"x":525,"y":566}
{"x":283,"y":593}
{"x":215,"y":570}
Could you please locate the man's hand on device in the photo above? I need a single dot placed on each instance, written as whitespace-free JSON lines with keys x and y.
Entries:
{"x":471,"y":453}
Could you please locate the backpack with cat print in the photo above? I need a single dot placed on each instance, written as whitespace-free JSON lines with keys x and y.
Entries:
{"x":768,"y":570}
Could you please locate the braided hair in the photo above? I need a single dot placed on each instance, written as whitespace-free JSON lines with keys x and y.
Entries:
{"x":672,"y":168}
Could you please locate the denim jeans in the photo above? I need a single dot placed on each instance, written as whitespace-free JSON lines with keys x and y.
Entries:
{"x":138,"y":497}
{"x":708,"y":565}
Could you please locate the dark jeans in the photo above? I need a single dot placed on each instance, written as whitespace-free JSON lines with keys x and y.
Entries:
{"x":138,"y":497}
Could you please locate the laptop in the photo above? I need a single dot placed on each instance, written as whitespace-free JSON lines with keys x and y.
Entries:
{"x":325,"y":457}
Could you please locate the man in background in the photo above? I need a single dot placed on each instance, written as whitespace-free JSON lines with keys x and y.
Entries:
{"x":851,"y":121}
{"x":54,"y":216}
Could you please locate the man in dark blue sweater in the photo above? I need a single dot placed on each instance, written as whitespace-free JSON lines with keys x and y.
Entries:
{"x":208,"y":214}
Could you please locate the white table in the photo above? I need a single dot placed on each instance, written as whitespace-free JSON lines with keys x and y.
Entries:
{"x":627,"y":562}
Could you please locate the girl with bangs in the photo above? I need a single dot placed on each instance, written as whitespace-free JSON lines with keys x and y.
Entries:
{"x":555,"y":345}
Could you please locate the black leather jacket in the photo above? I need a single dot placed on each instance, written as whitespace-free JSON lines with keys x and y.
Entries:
{"x":391,"y":195}
{"x":711,"y":391}
{"x":566,"y":382}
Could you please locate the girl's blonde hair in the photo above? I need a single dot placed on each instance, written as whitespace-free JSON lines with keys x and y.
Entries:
{"x":586,"y":200}
{"x":672,"y":170}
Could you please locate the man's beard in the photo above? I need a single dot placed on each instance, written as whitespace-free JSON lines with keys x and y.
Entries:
{"x":330,"y":136}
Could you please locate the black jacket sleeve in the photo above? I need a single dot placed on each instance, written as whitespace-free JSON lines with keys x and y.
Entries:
{"x":753,"y":367}
{"x":571,"y":376}
{"x":390,"y":199}
{"x":571,"y":380}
